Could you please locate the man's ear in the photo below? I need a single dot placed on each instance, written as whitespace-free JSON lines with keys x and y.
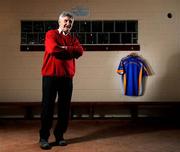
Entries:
{"x":59,"y":22}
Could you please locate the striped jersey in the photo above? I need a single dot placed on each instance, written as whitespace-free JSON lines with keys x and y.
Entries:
{"x":132,"y":69}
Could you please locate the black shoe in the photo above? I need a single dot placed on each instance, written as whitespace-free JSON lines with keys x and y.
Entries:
{"x":61,"y":142}
{"x":44,"y":144}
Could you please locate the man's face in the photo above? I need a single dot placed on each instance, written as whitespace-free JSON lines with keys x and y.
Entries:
{"x":66,"y":24}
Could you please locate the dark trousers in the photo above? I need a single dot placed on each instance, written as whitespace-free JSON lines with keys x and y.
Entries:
{"x":51,"y":86}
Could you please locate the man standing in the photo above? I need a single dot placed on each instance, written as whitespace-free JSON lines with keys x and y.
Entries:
{"x":61,"y":50}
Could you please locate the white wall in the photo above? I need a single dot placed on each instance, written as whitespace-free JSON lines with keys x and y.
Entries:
{"x":96,"y":78}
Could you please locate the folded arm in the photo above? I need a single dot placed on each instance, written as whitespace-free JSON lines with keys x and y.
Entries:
{"x":63,"y":52}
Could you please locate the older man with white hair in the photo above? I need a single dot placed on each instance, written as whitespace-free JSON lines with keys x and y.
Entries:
{"x":61,"y":50}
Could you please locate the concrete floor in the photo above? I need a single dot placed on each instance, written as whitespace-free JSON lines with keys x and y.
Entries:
{"x":94,"y":136}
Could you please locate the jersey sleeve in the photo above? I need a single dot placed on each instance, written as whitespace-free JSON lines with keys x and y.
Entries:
{"x":120,"y":69}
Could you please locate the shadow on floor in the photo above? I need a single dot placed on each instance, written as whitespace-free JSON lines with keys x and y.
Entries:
{"x":129,"y":128}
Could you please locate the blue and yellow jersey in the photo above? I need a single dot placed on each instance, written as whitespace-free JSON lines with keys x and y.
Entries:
{"x":132,"y":70}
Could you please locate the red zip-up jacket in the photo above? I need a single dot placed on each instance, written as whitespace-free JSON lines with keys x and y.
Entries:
{"x":57,"y":61}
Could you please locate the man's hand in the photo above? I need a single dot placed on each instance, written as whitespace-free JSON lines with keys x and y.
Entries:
{"x":63,"y":47}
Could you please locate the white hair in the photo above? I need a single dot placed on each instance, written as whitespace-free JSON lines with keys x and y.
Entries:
{"x":65,"y":13}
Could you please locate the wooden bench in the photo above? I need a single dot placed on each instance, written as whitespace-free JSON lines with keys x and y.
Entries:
{"x":133,"y":107}
{"x":92,"y":109}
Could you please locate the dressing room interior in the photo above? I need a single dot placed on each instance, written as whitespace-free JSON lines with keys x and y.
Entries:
{"x":109,"y":111}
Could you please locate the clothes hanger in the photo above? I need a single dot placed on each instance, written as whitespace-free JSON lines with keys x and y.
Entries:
{"x":133,"y":54}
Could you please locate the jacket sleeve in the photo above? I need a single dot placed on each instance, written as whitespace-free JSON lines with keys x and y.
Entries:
{"x":76,"y":49}
{"x":52,"y":46}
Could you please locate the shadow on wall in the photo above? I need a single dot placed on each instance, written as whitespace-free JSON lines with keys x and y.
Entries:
{"x":167,"y":88}
{"x":150,"y":72}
